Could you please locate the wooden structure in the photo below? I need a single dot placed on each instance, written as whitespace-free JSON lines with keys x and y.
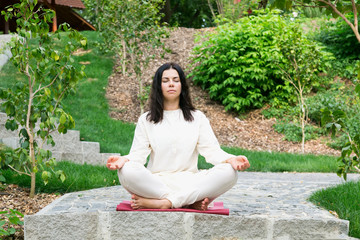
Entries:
{"x":64,"y":13}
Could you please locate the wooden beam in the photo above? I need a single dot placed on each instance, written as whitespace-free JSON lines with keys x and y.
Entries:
{"x":54,"y":28}
{"x":6,"y":30}
{"x":83,"y":20}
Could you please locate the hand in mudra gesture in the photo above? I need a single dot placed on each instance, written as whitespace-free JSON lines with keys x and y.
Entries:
{"x":116,"y":162}
{"x":240,"y":163}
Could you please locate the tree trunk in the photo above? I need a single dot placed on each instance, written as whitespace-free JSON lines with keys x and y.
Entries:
{"x":33,"y":162}
{"x":302,"y":122}
{"x":211,"y":9}
{"x":141,"y":94}
{"x":97,"y":15}
{"x":262,"y":4}
{"x":167,"y":11}
{"x":124,"y":58}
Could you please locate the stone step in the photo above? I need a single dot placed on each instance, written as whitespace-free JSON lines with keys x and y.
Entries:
{"x":172,"y":225}
{"x":70,"y":136}
{"x":74,"y":146}
{"x":92,"y":214}
{"x":12,"y":142}
{"x":82,"y":158}
{"x":67,"y":146}
{"x":3,"y":118}
{"x":4,"y":133}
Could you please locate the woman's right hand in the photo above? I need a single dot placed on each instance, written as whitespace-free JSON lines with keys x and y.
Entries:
{"x":116,"y":162}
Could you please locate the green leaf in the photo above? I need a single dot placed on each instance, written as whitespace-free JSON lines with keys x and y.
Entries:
{"x":47,"y":90}
{"x":45,"y":177}
{"x":2,"y":178}
{"x":2,"y":223}
{"x":63,"y":119}
{"x":83,"y":42}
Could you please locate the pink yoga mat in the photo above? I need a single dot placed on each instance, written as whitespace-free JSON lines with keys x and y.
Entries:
{"x":218,"y":208}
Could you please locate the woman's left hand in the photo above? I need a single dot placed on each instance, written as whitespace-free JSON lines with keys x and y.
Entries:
{"x":240,"y":163}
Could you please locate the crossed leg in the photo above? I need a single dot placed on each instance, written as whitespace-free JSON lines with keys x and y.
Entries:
{"x":149,"y":191}
{"x":153,"y":203}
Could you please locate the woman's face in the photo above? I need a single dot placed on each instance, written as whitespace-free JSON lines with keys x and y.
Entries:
{"x":171,"y":85}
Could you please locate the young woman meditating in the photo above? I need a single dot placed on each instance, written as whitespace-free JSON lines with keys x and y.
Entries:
{"x":174,"y":134}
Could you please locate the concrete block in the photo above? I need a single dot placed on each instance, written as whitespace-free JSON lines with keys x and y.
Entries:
{"x":90,"y":147}
{"x":74,"y":147}
{"x":59,"y":146}
{"x":3,"y":118}
{"x":93,"y":158}
{"x":61,"y":226}
{"x":206,"y":226}
{"x":73,"y":157}
{"x":71,"y":136}
{"x":146,"y":225}
{"x":4,"y":133}
{"x":12,"y":142}
{"x":309,"y":228}
{"x":57,"y":155}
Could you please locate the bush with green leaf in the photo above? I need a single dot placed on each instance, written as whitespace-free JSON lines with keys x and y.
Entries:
{"x":232,"y":10}
{"x":344,"y":68}
{"x":336,"y":121}
{"x":34,"y":106}
{"x":293,"y":132}
{"x":236,"y":64}
{"x":340,"y":98}
{"x":339,"y":38}
{"x":7,"y":221}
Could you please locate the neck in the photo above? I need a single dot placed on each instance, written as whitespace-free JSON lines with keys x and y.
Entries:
{"x":173,"y":105}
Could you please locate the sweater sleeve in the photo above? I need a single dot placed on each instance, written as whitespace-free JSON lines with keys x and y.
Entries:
{"x":208,"y":146}
{"x":140,"y":148}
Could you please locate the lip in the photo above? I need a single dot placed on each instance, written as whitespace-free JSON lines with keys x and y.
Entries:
{"x":171,"y":91}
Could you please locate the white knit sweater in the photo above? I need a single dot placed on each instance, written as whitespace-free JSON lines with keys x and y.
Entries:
{"x":174,"y":143}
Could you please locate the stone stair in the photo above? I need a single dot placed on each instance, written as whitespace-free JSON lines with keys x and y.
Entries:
{"x":5,"y":54}
{"x":67,"y":146}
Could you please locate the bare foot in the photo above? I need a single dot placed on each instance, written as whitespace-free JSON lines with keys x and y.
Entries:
{"x":146,"y":203}
{"x":200,"y":205}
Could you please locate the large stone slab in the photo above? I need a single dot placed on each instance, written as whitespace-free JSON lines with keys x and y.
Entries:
{"x":262,"y":206}
{"x":177,"y":225}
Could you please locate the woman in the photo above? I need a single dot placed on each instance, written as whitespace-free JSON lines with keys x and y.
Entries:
{"x":174,"y":133}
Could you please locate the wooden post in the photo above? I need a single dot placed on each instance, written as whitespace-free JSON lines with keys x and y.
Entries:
{"x":6,"y":30}
{"x":54,"y":28}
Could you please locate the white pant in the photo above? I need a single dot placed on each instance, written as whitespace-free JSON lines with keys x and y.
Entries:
{"x":180,"y":188}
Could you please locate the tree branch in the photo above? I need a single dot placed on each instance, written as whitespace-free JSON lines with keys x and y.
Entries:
{"x":53,"y":81}
{"x":289,"y":78}
{"x":355,"y":14}
{"x":20,"y":172}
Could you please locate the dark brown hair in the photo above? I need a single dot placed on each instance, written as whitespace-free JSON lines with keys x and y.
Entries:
{"x":156,"y":112}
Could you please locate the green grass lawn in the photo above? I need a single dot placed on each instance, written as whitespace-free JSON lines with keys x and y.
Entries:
{"x":90,"y":109}
{"x":345,"y":201}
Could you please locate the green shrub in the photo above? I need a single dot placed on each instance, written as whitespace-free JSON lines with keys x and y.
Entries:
{"x":8,"y":219}
{"x":340,"y":97}
{"x":344,"y":68}
{"x":329,"y":99}
{"x":293,"y":132}
{"x":339,"y":38}
{"x":236,"y":64}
